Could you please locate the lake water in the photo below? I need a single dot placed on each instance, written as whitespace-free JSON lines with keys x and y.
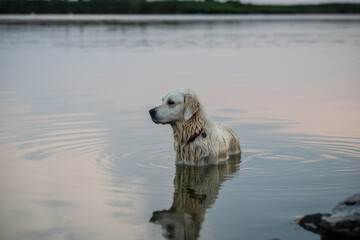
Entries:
{"x":80,"y":157}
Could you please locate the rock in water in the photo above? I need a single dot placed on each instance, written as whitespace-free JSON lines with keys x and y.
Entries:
{"x":342,"y":223}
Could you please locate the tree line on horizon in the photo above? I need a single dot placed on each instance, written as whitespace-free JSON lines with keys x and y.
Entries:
{"x":167,"y":7}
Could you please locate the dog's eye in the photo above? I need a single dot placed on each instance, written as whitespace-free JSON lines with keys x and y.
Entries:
{"x":170,"y":102}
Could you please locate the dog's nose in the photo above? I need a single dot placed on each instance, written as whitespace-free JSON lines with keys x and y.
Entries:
{"x":152,"y":112}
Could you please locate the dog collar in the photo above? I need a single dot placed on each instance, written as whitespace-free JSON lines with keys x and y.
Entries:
{"x":196,"y":135}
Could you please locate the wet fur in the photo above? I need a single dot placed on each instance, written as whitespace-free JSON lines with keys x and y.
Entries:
{"x":220,"y":141}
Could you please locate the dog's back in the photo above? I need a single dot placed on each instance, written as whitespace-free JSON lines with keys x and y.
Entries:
{"x":233,"y":140}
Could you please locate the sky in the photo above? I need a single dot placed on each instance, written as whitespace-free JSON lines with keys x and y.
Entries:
{"x":298,"y":1}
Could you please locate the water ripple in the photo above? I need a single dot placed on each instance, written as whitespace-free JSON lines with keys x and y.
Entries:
{"x":39,"y":137}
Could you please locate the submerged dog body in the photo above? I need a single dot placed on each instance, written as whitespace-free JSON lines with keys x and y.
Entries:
{"x":197,"y":139}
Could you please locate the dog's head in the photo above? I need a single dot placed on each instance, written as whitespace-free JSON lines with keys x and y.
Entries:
{"x":178,"y":105}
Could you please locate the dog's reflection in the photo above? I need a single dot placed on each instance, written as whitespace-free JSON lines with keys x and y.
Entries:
{"x":196,"y":189}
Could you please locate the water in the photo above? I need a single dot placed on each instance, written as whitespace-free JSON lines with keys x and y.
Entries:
{"x":81,"y":159}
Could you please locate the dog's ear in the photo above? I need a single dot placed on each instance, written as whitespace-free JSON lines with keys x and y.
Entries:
{"x":192,"y":105}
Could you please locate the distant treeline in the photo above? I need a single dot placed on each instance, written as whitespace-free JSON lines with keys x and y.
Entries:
{"x":165,"y":7}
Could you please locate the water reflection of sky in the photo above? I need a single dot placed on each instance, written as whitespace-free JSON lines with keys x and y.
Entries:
{"x":81,"y":159}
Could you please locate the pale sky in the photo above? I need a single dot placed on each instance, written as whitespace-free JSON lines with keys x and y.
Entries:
{"x":298,"y":1}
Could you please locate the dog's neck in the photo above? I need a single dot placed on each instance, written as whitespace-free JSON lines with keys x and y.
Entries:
{"x":183,"y":131}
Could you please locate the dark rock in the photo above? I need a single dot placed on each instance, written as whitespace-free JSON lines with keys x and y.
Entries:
{"x":342,"y":223}
{"x":312,"y":222}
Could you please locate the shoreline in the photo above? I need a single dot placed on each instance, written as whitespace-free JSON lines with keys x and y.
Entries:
{"x":171,"y":7}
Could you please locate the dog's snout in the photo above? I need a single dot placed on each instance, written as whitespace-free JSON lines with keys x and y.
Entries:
{"x":152,"y":112}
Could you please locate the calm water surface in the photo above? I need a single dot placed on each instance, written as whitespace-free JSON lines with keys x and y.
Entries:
{"x":81,"y":159}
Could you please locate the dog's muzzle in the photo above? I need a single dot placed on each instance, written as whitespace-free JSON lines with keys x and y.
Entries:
{"x":153,"y":115}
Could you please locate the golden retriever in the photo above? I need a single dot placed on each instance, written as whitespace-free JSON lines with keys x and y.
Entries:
{"x":197,"y":139}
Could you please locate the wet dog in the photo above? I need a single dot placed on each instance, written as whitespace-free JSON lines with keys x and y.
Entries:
{"x":197,"y":139}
